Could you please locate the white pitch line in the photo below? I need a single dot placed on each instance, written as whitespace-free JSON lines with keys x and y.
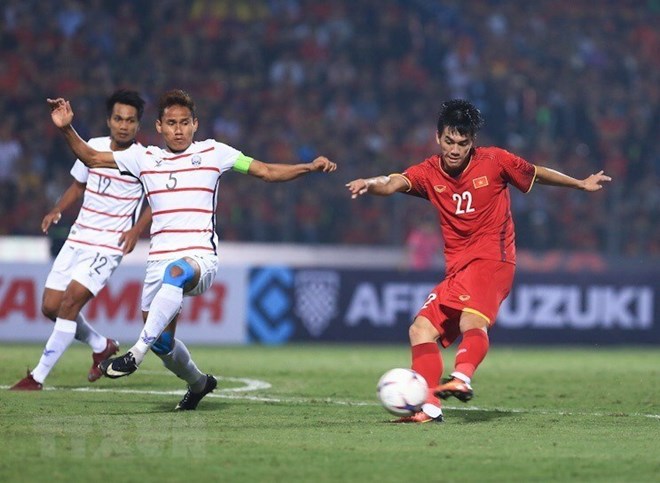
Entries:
{"x":255,"y":384}
{"x":250,"y":384}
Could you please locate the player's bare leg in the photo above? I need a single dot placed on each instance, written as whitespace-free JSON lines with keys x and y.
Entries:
{"x":50,"y":303}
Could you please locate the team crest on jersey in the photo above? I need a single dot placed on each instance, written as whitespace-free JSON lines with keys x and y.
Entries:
{"x":196,"y":160}
{"x":439,"y":188}
{"x":480,"y":182}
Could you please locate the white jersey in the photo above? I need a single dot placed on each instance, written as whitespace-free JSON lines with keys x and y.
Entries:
{"x":111,"y":204}
{"x":182,"y":189}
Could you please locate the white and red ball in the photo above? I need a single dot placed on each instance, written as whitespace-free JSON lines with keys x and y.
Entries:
{"x":402,"y":391}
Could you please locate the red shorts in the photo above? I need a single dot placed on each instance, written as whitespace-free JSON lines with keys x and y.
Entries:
{"x":478,"y":288}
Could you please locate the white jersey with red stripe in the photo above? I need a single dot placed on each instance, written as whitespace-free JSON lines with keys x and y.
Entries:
{"x":182,"y":189}
{"x":111,"y":204}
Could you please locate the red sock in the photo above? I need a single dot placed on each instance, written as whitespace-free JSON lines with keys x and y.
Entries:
{"x":427,"y":361}
{"x":471,"y":351}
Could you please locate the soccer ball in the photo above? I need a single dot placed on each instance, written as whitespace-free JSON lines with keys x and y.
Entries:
{"x":402,"y":391}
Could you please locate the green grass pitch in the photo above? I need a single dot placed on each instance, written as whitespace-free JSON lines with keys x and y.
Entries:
{"x":309,"y":413}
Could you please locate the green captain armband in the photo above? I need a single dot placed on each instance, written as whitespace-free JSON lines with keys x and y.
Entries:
{"x":242,"y":164}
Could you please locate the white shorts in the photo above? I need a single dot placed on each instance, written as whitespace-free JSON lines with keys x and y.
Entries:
{"x":208,"y":265}
{"x":86,"y":266}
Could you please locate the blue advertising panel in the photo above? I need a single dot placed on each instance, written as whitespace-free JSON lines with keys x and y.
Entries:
{"x":330,"y":305}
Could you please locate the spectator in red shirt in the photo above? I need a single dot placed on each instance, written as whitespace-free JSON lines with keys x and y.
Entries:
{"x":423,"y":244}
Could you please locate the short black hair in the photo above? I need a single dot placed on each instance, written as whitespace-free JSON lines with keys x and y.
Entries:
{"x":128,"y":97}
{"x":461,"y":115}
{"x":176,"y":97}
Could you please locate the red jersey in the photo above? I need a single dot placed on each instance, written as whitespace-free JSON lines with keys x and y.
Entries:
{"x":475,"y":207}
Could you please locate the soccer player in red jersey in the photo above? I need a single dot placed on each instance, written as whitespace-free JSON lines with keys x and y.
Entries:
{"x":468,"y":185}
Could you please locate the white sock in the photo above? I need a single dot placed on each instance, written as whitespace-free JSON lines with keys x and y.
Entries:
{"x":432,"y":410}
{"x":165,"y":306}
{"x":86,"y":333}
{"x":60,"y":339}
{"x":180,"y":363}
{"x":462,"y":377}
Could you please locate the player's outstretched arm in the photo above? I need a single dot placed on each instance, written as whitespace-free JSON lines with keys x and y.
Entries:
{"x":379,"y":185}
{"x":552,"y":177}
{"x":62,"y":116}
{"x":275,"y":172}
{"x":72,"y":194}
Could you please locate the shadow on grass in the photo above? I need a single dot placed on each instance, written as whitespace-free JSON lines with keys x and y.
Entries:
{"x":467,"y":416}
{"x":471,"y":416}
{"x":142,"y":405}
{"x":204,"y":406}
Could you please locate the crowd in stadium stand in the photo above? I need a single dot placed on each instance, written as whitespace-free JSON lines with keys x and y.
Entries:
{"x":559,"y":82}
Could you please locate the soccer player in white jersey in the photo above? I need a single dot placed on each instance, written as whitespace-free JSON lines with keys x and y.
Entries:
{"x":181,"y":184}
{"x":103,"y":232}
